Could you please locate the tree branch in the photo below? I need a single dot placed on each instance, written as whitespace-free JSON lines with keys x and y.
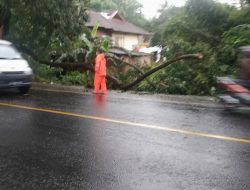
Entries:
{"x":165,"y":64}
{"x":112,"y":56}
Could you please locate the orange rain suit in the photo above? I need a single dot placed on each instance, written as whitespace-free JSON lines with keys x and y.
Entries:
{"x":100,"y":74}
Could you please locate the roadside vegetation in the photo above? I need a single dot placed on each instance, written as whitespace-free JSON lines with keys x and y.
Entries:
{"x":53,"y":36}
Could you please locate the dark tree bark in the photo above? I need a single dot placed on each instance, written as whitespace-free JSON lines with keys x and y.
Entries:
{"x":4,"y":20}
{"x":1,"y":32}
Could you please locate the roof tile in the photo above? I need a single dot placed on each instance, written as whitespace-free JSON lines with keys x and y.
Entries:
{"x":114,"y":24}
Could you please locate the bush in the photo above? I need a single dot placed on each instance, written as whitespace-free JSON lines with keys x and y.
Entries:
{"x":46,"y":74}
{"x":75,"y":78}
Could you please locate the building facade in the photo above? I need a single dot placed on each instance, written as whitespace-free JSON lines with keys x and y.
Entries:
{"x":122,"y":33}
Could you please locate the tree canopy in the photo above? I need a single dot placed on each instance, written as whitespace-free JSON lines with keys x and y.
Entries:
{"x":217,"y":30}
{"x":44,"y":26}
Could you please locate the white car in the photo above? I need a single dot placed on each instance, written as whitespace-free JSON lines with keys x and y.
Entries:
{"x":15,"y":71}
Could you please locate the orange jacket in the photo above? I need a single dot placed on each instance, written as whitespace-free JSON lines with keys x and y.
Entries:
{"x":100,"y":65}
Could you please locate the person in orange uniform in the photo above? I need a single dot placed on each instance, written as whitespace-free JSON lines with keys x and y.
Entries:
{"x":100,"y":72}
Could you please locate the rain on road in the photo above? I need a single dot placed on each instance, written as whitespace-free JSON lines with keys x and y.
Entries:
{"x":56,"y":140}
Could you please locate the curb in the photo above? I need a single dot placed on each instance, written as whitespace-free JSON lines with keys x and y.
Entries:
{"x":58,"y":87}
{"x":198,"y":101}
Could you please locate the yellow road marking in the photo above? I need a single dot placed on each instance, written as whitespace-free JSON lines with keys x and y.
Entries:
{"x":186,"y":132}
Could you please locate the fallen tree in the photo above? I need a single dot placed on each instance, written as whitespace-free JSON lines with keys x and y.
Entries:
{"x":81,"y":65}
{"x":163,"y":65}
{"x":114,"y":58}
{"x":4,"y":19}
{"x":117,"y":83}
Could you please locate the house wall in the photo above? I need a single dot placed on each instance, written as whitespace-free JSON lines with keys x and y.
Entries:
{"x":127,"y":41}
{"x":124,"y":40}
{"x":143,"y":61}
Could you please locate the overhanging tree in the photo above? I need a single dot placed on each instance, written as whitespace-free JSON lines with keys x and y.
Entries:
{"x":4,"y":18}
{"x":44,"y":26}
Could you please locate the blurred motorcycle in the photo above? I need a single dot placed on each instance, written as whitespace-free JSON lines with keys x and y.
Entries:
{"x":237,"y":91}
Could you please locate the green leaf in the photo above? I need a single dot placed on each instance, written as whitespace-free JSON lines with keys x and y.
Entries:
{"x":95,"y":29}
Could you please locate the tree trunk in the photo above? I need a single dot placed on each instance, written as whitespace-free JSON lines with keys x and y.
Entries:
{"x":116,"y":82}
{"x":1,"y":32}
{"x":70,"y":66}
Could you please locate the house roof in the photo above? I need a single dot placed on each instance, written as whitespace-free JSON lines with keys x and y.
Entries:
{"x":113,"y":21}
{"x":120,"y":52}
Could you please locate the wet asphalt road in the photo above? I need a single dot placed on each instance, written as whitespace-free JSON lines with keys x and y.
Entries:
{"x":119,"y":143}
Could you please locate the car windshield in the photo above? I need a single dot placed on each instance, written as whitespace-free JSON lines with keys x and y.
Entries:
{"x":9,"y":52}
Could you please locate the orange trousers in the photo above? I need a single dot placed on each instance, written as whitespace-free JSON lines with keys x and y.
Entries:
{"x":100,"y":83}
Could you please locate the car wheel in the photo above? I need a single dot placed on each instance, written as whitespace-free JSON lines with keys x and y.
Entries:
{"x":24,"y":89}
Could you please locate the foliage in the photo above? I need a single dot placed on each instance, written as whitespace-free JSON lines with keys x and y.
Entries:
{"x":45,"y":26}
{"x":209,"y":14}
{"x":45,"y":73}
{"x":239,"y":17}
{"x":185,"y":77}
{"x":4,"y":16}
{"x":228,"y":54}
{"x":237,"y":36}
{"x":129,"y":76}
{"x":75,"y":78}
{"x":206,"y":26}
{"x":87,"y":50}
{"x":103,"y":5}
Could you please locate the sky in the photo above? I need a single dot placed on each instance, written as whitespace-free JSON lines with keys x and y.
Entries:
{"x":150,"y":7}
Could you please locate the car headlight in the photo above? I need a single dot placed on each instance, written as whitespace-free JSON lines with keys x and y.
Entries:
{"x":25,"y":67}
{"x":28,"y":71}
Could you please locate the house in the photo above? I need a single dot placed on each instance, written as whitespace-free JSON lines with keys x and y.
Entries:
{"x":123,"y":33}
{"x":134,"y":57}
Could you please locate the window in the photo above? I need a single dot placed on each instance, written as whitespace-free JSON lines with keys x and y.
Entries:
{"x":8,"y":52}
